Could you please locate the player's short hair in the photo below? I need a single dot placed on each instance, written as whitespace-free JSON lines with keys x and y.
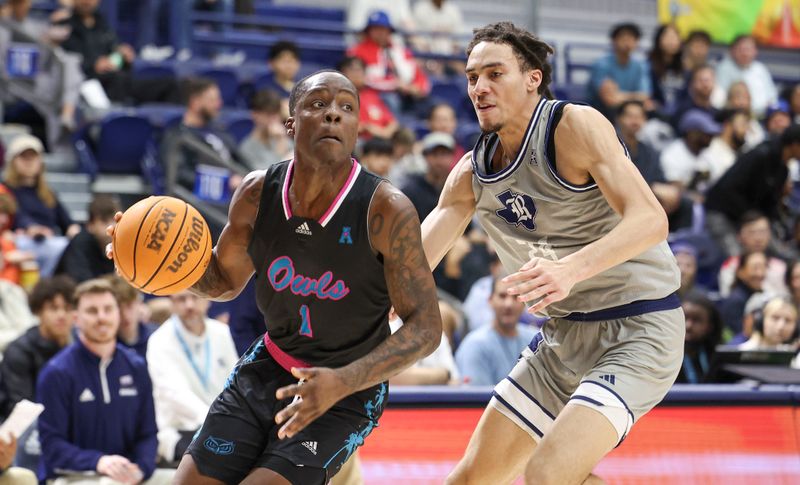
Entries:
{"x":103,"y":207}
{"x":301,"y":87}
{"x":530,"y":51}
{"x":47,"y":289}
{"x":284,"y":46}
{"x":96,"y":286}
{"x":625,"y":27}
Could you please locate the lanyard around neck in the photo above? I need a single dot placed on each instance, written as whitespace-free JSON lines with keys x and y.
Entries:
{"x":204,"y":376}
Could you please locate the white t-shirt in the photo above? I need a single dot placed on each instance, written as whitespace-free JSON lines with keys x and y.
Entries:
{"x":447,"y":19}
{"x":679,"y":164}
{"x":718,"y":157}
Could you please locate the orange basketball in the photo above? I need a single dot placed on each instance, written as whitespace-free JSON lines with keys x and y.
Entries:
{"x":162,"y":245}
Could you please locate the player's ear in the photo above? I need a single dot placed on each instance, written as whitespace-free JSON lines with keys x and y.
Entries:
{"x":533,"y":80}
{"x":290,"y":126}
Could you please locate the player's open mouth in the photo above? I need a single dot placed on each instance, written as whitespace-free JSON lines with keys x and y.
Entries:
{"x":484,"y":107}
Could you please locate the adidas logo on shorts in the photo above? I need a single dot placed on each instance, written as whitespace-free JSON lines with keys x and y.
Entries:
{"x":303,"y":229}
{"x":311,"y":445}
{"x":610,"y":378}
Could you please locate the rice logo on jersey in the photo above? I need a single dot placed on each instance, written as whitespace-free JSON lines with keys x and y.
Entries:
{"x":159,"y":233}
{"x":192,"y":244}
{"x":518,"y":209}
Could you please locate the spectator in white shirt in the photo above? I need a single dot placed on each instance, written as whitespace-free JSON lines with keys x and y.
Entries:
{"x":438,"y":17}
{"x":680,"y":160}
{"x":741,"y":64}
{"x":190,"y":358}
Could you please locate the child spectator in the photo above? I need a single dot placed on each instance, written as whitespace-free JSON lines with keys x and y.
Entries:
{"x":703,"y":334}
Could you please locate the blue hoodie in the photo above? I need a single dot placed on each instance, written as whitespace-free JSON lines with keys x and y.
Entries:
{"x":93,"y":409}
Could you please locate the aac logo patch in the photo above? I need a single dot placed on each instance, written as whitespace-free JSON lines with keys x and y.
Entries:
{"x":518,"y":209}
{"x":218,"y":446}
{"x":346,"y":238}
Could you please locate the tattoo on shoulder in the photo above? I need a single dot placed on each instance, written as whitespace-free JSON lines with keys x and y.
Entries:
{"x":376,"y":225}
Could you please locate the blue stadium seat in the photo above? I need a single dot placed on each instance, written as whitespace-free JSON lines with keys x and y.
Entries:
{"x":228,"y":83}
{"x":239,"y":128}
{"x":122,"y":143}
{"x":467,"y":134}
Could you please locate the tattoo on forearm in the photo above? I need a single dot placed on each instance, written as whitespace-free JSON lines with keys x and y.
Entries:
{"x":213,"y":283}
{"x":414,"y":297}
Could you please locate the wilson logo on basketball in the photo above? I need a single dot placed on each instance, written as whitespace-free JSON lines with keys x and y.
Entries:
{"x":192,"y":244}
{"x":162,"y":228}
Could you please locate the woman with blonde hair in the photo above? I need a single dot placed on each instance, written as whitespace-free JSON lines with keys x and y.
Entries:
{"x":41,"y":222}
{"x":776,"y":328}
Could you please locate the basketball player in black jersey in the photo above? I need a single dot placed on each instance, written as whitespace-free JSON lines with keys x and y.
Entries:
{"x":331,"y":246}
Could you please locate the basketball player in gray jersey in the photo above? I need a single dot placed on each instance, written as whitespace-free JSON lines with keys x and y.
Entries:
{"x":583,"y":239}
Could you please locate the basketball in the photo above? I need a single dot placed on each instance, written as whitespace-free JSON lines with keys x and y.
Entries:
{"x":162,"y":245}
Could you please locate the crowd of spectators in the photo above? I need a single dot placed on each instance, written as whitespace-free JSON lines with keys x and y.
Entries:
{"x":717,"y":142}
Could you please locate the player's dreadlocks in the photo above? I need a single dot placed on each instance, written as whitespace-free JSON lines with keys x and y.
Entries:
{"x":530,"y":51}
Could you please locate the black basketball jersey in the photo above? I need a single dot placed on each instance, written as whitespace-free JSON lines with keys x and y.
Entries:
{"x":319,"y":284}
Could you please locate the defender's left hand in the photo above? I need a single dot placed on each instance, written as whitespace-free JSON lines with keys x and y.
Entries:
{"x":541,"y":278}
{"x":321,"y":389}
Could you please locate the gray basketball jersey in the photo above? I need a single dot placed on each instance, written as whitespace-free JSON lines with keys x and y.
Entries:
{"x":528,"y":210}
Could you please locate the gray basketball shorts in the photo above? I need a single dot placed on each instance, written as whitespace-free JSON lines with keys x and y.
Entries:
{"x":621,"y":367}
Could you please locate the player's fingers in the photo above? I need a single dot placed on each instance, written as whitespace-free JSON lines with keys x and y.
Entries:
{"x":117,"y":216}
{"x":542,"y":304}
{"x":289,"y":391}
{"x":110,"y":251}
{"x":523,"y":275}
{"x":299,"y":421}
{"x":536,"y":293}
{"x":528,"y":285}
{"x":288,"y":412}
{"x":530,"y":264}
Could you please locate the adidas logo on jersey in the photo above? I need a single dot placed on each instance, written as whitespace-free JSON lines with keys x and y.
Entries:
{"x":86,"y":396}
{"x":610,"y":378}
{"x":303,"y":229}
{"x":311,"y":445}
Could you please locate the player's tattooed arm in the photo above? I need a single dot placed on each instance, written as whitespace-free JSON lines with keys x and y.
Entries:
{"x":231,"y":268}
{"x":395,"y":233}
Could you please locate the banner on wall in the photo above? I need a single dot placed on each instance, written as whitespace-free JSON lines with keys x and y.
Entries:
{"x":772,"y":22}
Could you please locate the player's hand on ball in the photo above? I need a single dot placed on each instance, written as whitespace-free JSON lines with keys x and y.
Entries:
{"x":110,"y":232}
{"x":321,"y":389}
{"x":541,"y":278}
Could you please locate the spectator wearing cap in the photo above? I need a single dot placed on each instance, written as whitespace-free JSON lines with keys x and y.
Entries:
{"x":756,"y":181}
{"x":398,"y":11}
{"x":686,"y":256}
{"x":778,"y":118}
{"x":423,"y":190}
{"x":681,"y":160}
{"x":391,"y":68}
{"x":740,"y":64}
{"x":374,"y":117}
{"x":43,"y":222}
{"x":619,"y":76}
{"x":85,"y":255}
{"x":725,"y":147}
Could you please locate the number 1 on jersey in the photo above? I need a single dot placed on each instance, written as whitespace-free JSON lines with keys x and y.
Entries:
{"x":305,"y":326}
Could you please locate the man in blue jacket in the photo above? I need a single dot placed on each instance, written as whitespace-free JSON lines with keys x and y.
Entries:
{"x":99,"y":414}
